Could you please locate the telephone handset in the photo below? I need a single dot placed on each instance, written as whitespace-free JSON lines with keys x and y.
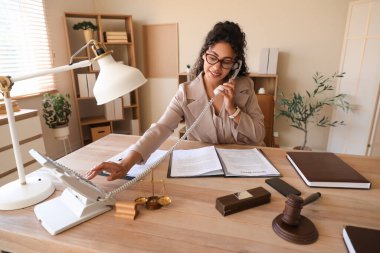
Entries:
{"x":234,"y":75}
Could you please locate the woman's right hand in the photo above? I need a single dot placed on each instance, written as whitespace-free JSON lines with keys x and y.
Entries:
{"x":115,"y":171}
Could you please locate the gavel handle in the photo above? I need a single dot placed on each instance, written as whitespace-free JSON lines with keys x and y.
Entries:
{"x":313,"y":197}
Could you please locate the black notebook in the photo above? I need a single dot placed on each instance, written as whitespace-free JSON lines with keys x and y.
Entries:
{"x":324,"y":169}
{"x":211,"y":161}
{"x":359,"y":239}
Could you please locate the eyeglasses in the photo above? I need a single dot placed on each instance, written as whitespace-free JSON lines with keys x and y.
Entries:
{"x":227,"y":63}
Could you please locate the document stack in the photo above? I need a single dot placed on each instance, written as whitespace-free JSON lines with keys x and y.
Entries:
{"x":86,"y":83}
{"x":115,"y":37}
{"x":268,"y":61}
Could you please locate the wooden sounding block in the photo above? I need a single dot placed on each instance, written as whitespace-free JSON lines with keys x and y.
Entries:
{"x":126,"y":210}
{"x":240,"y":201}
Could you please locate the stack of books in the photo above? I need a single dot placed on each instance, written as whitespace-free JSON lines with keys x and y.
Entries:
{"x":15,"y":106}
{"x":115,"y":37}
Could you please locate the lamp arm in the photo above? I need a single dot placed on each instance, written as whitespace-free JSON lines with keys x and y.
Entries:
{"x":64,"y":68}
{"x":81,"y":49}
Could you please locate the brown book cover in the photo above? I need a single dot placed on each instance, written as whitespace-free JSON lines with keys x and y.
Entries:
{"x":324,"y":169}
{"x":360,"y":239}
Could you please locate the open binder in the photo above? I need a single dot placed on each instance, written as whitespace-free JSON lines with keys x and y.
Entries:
{"x":211,"y":161}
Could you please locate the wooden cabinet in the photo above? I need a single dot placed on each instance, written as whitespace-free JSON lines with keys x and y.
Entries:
{"x":266,"y":101}
{"x":29,"y":132}
{"x":91,"y":115}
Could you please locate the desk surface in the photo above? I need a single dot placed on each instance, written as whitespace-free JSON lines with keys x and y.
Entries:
{"x":191,"y":223}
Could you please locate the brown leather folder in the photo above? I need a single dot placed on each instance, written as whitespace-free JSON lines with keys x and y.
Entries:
{"x":324,"y":169}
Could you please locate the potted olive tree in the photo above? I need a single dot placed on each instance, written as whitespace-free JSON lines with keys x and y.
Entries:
{"x":88,"y":29}
{"x":307,"y":109}
{"x":56,"y":112}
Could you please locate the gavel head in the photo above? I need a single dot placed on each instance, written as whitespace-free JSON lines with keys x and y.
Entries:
{"x":292,"y":211}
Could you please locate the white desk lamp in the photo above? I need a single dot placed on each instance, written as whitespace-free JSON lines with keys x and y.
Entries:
{"x":114,"y":80}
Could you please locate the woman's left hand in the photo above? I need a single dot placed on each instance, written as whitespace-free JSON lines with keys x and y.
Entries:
{"x":229,"y":96}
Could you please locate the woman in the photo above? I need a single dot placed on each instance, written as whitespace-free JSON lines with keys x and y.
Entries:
{"x":234,"y":118}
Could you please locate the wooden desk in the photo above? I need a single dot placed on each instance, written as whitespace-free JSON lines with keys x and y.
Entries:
{"x":191,"y":223}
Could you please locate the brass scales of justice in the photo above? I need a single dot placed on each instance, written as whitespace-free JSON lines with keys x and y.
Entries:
{"x":154,"y":202}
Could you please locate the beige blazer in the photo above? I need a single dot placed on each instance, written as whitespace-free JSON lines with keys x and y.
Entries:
{"x":188,"y":103}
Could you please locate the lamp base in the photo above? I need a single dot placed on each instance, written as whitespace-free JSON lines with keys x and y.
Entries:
{"x":16,"y":196}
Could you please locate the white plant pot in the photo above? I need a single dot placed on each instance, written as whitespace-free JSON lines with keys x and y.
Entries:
{"x":61,"y":133}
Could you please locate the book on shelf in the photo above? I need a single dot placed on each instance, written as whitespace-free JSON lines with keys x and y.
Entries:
{"x":117,"y":41}
{"x":109,"y":110}
{"x":324,"y":169}
{"x":127,"y":99}
{"x":115,"y":36}
{"x":360,"y":239}
{"x":118,"y":107}
{"x":211,"y":161}
{"x":115,"y":33}
{"x":114,"y":110}
{"x":82,"y":84}
{"x":91,"y":80}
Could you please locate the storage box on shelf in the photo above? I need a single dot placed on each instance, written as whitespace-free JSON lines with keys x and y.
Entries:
{"x":266,"y":101}
{"x":29,"y":131}
{"x":116,"y":32}
{"x":99,"y":132}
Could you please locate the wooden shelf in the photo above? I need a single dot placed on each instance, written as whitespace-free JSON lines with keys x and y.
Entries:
{"x":93,"y":120}
{"x":130,"y":106}
{"x":122,"y":51}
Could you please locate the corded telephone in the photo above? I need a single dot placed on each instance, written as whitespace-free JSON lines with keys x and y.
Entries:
{"x":81,"y":201}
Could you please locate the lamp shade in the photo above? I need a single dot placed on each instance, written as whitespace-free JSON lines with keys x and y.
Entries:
{"x":115,"y":80}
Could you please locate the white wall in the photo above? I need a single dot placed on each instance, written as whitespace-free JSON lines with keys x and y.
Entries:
{"x":309,"y":34}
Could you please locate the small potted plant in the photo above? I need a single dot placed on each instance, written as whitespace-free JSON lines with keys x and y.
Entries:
{"x":88,"y":29}
{"x":307,"y":109}
{"x":56,"y":112}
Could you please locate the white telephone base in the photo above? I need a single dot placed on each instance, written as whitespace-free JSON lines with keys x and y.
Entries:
{"x":69,"y":210}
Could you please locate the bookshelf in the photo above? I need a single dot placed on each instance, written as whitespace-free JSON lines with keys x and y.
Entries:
{"x":90,"y":115}
{"x":266,"y":101}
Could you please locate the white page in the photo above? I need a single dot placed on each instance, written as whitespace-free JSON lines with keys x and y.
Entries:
{"x":138,"y":168}
{"x":246,"y":162}
{"x":195,"y":162}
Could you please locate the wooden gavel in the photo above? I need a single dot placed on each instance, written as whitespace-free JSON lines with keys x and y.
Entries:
{"x":291,"y":225}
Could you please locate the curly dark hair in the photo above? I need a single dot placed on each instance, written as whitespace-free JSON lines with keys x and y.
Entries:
{"x":231,"y":33}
